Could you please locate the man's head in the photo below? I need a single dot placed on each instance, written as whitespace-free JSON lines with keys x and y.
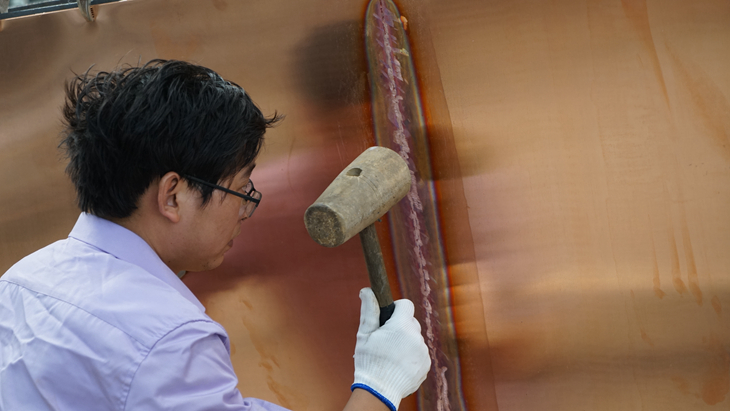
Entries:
{"x":133,"y":136}
{"x":128,"y":127}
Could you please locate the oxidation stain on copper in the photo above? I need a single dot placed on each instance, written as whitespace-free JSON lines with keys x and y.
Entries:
{"x":676,"y":273}
{"x":716,"y":381}
{"x":717,"y":306}
{"x":693,"y":277}
{"x":656,"y":280}
{"x":638,"y":14}
{"x":710,"y":104}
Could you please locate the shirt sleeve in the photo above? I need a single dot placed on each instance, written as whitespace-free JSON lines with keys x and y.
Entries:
{"x":190,"y":369}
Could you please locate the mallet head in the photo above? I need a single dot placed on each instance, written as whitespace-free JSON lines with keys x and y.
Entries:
{"x":362,"y":193}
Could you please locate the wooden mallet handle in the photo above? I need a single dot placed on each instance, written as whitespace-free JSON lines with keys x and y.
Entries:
{"x":376,"y":272}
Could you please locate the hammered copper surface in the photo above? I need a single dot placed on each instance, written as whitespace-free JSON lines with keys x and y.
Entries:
{"x":581,"y":158}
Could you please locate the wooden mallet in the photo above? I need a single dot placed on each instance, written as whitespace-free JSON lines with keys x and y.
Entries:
{"x":362,"y":193}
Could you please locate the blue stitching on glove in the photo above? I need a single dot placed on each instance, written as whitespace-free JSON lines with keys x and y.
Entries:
{"x":375,"y":393}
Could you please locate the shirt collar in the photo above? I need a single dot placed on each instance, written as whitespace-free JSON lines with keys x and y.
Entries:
{"x":128,"y":246}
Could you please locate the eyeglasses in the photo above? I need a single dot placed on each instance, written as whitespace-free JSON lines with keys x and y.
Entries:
{"x":252,"y":198}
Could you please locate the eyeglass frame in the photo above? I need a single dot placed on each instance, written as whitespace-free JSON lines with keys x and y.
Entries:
{"x":229,"y":191}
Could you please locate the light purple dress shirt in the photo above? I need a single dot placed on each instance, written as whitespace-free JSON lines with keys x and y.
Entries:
{"x":98,"y":322}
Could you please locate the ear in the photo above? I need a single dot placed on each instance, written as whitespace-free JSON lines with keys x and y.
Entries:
{"x":168,"y":196}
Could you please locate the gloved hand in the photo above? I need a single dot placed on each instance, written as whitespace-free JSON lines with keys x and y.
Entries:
{"x":391,"y":361}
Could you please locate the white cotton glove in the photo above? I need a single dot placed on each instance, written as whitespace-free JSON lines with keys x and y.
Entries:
{"x":391,"y":361}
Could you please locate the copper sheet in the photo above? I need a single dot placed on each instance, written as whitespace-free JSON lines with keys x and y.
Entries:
{"x":593,"y":141}
{"x":582,"y":162}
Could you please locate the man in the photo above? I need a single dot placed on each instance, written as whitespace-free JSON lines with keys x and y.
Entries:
{"x":161,"y":157}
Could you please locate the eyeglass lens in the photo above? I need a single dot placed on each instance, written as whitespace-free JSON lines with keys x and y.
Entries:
{"x":248,"y":207}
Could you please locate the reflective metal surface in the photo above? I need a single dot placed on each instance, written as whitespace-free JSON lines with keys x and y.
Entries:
{"x":581,"y":163}
{"x":592,"y":137}
{"x":23,"y":8}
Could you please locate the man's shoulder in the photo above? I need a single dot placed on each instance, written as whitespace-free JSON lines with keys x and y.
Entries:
{"x":120,"y":294}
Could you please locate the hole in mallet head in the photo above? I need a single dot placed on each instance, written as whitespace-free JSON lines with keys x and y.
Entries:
{"x":354,"y":172}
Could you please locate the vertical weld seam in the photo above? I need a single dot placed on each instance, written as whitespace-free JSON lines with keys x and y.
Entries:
{"x":384,"y":17}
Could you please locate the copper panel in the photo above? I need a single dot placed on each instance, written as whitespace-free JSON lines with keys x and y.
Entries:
{"x":289,"y":305}
{"x":593,"y":141}
{"x":581,"y":158}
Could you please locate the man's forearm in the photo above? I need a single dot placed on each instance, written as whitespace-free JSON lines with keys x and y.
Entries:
{"x":361,"y":400}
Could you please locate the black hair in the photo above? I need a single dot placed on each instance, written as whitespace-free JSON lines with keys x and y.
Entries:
{"x":127,"y":127}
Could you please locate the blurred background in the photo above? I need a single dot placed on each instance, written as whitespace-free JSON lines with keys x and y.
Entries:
{"x":581,"y":158}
